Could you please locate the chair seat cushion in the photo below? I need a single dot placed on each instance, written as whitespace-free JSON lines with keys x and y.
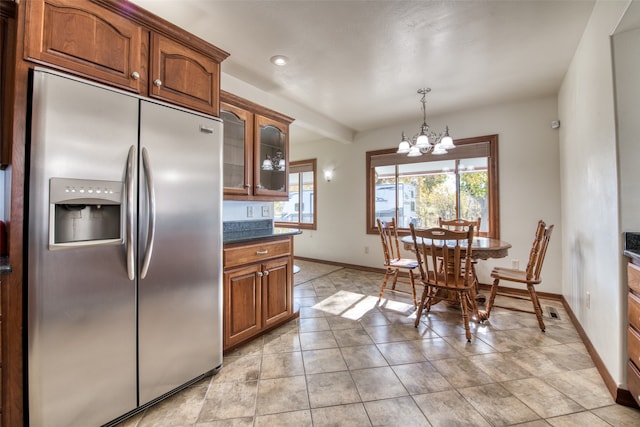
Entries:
{"x":512,"y":275}
{"x":404,"y":263}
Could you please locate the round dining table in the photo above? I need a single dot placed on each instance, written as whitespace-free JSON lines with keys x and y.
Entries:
{"x":481,"y":247}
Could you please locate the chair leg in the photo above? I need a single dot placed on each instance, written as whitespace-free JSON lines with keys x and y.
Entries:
{"x":413,"y":288}
{"x":536,"y":306}
{"x":492,"y":297}
{"x":395,"y":279}
{"x":384,"y":283}
{"x":473,"y":304}
{"x":465,"y":314}
{"x":421,"y":305}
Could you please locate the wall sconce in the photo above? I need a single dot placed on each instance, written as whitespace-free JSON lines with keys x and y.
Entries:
{"x":328,"y":174}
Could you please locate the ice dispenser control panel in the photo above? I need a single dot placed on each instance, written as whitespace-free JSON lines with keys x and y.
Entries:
{"x":85,"y":212}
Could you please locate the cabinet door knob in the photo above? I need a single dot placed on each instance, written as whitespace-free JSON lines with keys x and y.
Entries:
{"x":135,"y":75}
{"x":157,"y":82}
{"x":259,"y":273}
{"x":266,"y":273}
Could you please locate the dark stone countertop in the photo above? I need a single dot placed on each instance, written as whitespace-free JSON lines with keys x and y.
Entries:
{"x":248,"y":231}
{"x":632,"y":245}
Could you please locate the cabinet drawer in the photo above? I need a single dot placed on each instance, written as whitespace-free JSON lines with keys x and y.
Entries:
{"x":633,"y":381}
{"x":634,"y":310}
{"x":633,"y":345}
{"x":633,"y":277}
{"x":247,"y":254}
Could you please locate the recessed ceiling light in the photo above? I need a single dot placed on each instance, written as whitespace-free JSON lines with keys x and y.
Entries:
{"x":279,"y":60}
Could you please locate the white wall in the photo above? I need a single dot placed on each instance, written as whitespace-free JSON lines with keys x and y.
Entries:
{"x":529,"y":185}
{"x":627,"y":74}
{"x":591,"y":234}
{"x":626,"y":54}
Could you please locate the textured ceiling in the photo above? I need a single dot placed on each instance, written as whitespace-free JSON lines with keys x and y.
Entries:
{"x":358,"y":64}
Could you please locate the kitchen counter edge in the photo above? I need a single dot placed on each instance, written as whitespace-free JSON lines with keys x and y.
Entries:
{"x":251,"y":236}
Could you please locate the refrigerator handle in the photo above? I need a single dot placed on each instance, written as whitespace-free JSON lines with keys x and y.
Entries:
{"x":151,"y":234}
{"x":129,"y":238}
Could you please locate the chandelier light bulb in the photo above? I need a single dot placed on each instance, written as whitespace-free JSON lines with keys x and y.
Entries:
{"x":414,"y":151}
{"x":438,"y":150}
{"x":405,"y":145}
{"x":422,"y":141}
{"x":447,"y":141}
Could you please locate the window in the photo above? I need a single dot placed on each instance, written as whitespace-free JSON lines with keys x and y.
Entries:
{"x":300,"y":210}
{"x":418,"y":190}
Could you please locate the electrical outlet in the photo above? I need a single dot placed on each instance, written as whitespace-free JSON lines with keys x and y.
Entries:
{"x":366,"y":249}
{"x":515,"y":264}
{"x":249,"y":211}
{"x":588,"y":300}
{"x":265,"y":211}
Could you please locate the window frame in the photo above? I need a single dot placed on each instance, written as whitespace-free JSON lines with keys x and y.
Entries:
{"x":299,"y":167}
{"x":390,"y":154}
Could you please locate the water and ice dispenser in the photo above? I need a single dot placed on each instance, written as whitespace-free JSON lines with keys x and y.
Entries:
{"x":85,"y":212}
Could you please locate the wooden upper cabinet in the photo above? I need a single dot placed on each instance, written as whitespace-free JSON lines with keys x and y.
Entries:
{"x":8,"y":12}
{"x":88,"y":39}
{"x":183,"y":76}
{"x":271,"y":165}
{"x":238,"y":150}
{"x":120,"y":44}
{"x":253,"y":134}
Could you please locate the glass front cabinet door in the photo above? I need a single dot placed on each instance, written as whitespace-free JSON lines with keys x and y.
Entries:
{"x":271,"y":157}
{"x":238,"y":152}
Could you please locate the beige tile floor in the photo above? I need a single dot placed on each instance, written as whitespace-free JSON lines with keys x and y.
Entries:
{"x":351,"y":361}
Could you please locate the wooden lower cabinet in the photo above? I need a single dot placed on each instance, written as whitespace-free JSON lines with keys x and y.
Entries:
{"x":242,"y":304}
{"x":633,"y":331}
{"x":258,"y":296}
{"x":276,"y":291}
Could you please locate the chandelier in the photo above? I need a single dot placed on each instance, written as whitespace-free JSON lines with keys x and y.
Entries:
{"x":425,"y":140}
{"x":275,"y":163}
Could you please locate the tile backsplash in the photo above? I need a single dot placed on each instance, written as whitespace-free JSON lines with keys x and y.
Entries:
{"x":234,"y":210}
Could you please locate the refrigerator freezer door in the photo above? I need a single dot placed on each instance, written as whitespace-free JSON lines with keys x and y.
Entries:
{"x":180,"y":298}
{"x":81,"y":333}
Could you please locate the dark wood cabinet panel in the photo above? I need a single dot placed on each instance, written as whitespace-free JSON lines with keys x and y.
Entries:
{"x":183,"y":76}
{"x":242,"y":302}
{"x":83,"y":37}
{"x":276,"y":295}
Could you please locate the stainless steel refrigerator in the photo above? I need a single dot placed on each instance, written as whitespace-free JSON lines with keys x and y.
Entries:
{"x":124,"y":294}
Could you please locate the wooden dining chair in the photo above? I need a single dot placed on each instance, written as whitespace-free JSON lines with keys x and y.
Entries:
{"x":454,"y":282}
{"x":459,"y":224}
{"x":529,"y":277}
{"x":393,"y":261}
